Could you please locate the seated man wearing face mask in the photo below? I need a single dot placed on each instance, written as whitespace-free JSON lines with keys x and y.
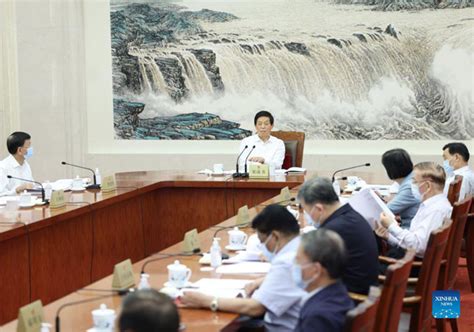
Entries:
{"x":318,"y":267}
{"x":20,"y":149}
{"x":276,"y":295}
{"x":427,"y":185}
{"x":321,"y":204}
{"x":456,"y":158}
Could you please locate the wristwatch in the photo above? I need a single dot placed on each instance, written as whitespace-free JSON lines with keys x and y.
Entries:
{"x":214,"y":306}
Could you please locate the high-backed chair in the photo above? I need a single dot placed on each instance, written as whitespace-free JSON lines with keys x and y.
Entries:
{"x":393,"y":293}
{"x":454,"y":189}
{"x":362,"y":317}
{"x":449,"y":263}
{"x":469,"y":244}
{"x":420,"y":302}
{"x":294,"y":146}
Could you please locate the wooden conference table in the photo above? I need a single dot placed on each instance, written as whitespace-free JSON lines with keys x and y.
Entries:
{"x":46,"y":253}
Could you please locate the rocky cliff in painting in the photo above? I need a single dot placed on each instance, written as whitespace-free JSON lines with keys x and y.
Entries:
{"x":192,"y":126}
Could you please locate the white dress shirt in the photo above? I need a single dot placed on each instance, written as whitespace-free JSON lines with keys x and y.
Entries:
{"x":279,"y":294}
{"x":9,"y":166}
{"x":429,"y":217}
{"x":273,"y":150}
{"x":467,"y":186}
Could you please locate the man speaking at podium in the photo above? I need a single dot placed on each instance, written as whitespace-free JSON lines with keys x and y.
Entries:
{"x":20,"y":149}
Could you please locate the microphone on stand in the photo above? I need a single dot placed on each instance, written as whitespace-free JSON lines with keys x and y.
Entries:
{"x":57,"y":319}
{"x":27,"y":180}
{"x":246,"y":174}
{"x":237,"y":174}
{"x":91,"y":186}
{"x":345,"y":169}
{"x":164,"y":256}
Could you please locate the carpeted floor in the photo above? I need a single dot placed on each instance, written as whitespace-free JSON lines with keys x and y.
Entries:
{"x":466,"y":321}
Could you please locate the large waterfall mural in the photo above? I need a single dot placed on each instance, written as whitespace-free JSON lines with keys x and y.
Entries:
{"x":201,"y":69}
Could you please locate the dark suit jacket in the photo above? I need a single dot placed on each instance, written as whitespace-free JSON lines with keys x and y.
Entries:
{"x":362,"y":267}
{"x":326,"y":310}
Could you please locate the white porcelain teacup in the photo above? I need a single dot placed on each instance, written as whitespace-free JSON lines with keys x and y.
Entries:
{"x":77,"y":183}
{"x":237,"y":238}
{"x":25,"y":198}
{"x":103,"y":318}
{"x":178,"y":274}
{"x":218,"y":168}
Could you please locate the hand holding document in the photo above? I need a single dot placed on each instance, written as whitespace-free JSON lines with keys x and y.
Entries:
{"x":370,"y":206}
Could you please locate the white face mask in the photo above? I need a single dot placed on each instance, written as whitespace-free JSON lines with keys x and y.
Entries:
{"x":415,"y":190}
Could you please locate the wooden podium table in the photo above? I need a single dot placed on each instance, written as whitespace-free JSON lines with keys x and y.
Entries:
{"x":46,"y":254}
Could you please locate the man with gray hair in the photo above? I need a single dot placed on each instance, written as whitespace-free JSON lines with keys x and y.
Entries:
{"x":321,"y":205}
{"x":319,"y":265}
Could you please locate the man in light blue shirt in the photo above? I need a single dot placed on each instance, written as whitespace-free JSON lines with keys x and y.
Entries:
{"x":399,"y":167}
{"x":276,"y":295}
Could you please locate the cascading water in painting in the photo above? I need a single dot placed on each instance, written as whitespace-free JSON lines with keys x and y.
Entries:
{"x":368,"y":83}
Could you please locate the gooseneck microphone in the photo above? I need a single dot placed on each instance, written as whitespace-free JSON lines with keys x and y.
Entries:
{"x":246,"y":174}
{"x":69,"y":304}
{"x":27,"y":180}
{"x":223,"y":228}
{"x":237,"y":173}
{"x":345,"y":169}
{"x":164,"y":256}
{"x":91,"y":186}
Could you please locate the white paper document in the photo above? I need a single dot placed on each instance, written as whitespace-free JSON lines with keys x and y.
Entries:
{"x":229,"y":288}
{"x":245,"y":268}
{"x":244,"y":256}
{"x":5,"y":199}
{"x":221,"y":283}
{"x":369,"y":205}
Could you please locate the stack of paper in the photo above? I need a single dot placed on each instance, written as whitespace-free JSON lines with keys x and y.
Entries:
{"x":244,"y":256}
{"x":5,"y":199}
{"x":369,"y":205}
{"x":229,"y":288}
{"x":245,"y":268}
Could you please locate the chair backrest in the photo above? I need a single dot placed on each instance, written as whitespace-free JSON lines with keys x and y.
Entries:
{"x":294,"y":145}
{"x":393,"y":292}
{"x":454,"y":189}
{"x":421,"y":315}
{"x":447,"y":275}
{"x":362,"y":317}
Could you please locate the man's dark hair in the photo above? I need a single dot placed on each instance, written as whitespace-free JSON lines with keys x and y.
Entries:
{"x":318,"y":190}
{"x":148,"y":310}
{"x":327,"y":248}
{"x":16,"y":140}
{"x":265,"y":114}
{"x":397,"y":163}
{"x":276,"y":218}
{"x":459,"y":148}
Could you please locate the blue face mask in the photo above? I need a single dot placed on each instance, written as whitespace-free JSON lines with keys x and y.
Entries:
{"x":415,"y":190}
{"x":310,"y":221}
{"x":29,"y":152}
{"x":297,"y":274}
{"x":267,"y":253}
{"x":448,"y":168}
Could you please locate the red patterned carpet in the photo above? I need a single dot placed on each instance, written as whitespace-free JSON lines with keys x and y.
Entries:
{"x":466,"y":321}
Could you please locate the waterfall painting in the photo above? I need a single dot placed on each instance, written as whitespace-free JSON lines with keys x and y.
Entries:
{"x":335,"y":69}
